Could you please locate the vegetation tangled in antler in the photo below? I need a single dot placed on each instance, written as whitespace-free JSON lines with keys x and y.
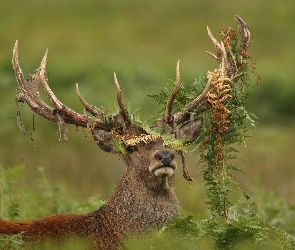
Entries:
{"x":225,"y":117}
{"x":226,"y":124}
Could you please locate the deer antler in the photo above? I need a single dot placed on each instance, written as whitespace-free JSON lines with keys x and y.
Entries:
{"x":123,"y":109}
{"x":182,"y":117}
{"x":90,"y":108}
{"x":245,"y":32}
{"x":224,"y":57}
{"x":29,"y":92}
{"x":228,"y":67}
{"x":216,"y":44}
{"x":189,"y":130}
{"x":169,"y":105}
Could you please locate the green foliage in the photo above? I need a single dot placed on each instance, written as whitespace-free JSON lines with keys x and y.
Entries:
{"x":119,"y":146}
{"x":243,"y":229}
{"x":11,"y":242}
{"x":187,"y":93}
{"x":169,"y":140}
{"x":9,"y":208}
{"x":18,"y":203}
{"x":266,"y":224}
{"x":275,"y":211}
{"x":226,"y":120}
{"x":226,"y":125}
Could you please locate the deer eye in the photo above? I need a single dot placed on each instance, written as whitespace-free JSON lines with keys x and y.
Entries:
{"x":131,"y":149}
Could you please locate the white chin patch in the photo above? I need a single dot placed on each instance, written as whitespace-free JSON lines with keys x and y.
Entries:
{"x":164,"y":171}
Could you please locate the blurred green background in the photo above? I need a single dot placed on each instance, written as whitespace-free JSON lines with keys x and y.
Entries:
{"x":142,"y":40}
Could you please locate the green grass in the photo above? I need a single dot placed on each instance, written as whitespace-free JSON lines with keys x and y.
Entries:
{"x":268,"y":223}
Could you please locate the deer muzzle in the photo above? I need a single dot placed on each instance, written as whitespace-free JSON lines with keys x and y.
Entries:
{"x":164,"y":163}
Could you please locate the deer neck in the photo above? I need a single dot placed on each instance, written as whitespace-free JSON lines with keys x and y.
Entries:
{"x":141,"y":202}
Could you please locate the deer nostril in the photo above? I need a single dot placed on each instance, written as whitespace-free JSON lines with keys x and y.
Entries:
{"x":171,"y":156}
{"x":165,"y":157}
{"x":159,"y":157}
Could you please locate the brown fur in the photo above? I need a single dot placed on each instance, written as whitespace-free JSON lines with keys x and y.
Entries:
{"x":140,"y":201}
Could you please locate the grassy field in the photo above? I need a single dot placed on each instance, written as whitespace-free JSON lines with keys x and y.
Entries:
{"x":142,"y":41}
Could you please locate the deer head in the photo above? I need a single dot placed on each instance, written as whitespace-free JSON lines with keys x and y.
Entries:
{"x":106,"y":130}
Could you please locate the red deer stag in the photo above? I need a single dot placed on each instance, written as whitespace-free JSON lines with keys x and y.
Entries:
{"x":144,"y":196}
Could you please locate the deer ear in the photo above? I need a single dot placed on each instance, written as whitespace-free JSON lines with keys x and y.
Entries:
{"x":103,"y":140}
{"x":191,"y":130}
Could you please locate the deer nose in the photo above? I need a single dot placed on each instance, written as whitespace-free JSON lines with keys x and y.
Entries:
{"x":165,"y":157}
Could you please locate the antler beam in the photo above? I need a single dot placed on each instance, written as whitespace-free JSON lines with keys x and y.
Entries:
{"x":90,"y":108}
{"x":29,"y":92}
{"x":227,"y":66}
{"x":123,"y":109}
{"x":168,"y":111}
{"x":178,"y":118}
{"x":245,"y":32}
{"x":224,"y":56}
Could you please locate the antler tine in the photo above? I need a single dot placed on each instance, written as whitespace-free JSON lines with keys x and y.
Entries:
{"x":200,"y":99}
{"x":18,"y":72}
{"x":90,"y":108}
{"x":67,"y":114}
{"x":216,"y":44}
{"x":214,"y":56}
{"x":51,"y":96}
{"x":224,"y":62}
{"x":197,"y":102}
{"x":29,"y":92}
{"x":169,"y":105}
{"x":121,"y":104}
{"x":245,"y":32}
